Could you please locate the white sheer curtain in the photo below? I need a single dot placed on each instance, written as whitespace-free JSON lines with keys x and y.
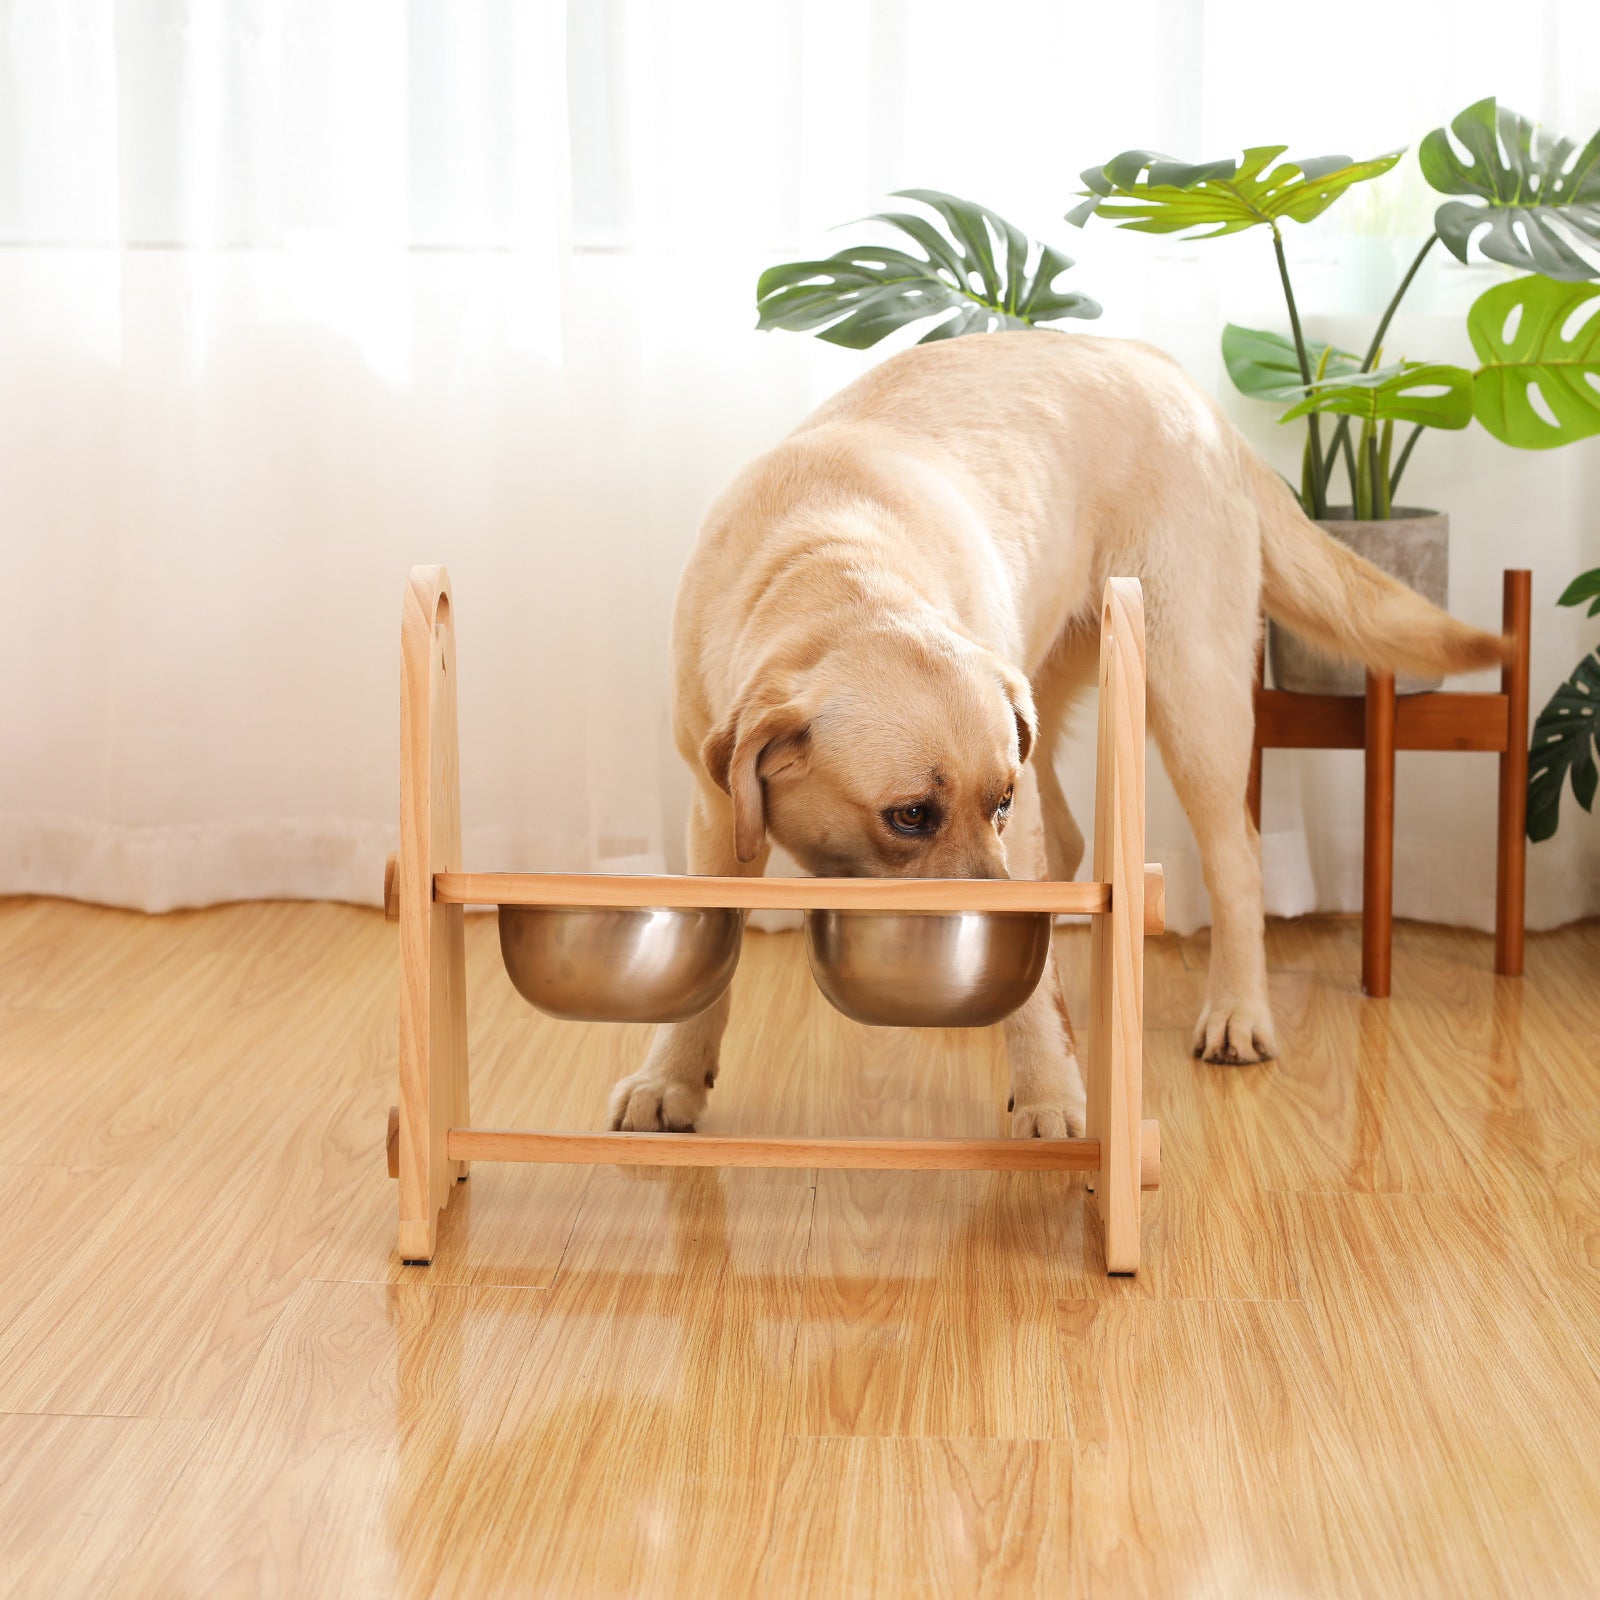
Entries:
{"x":293,"y":295}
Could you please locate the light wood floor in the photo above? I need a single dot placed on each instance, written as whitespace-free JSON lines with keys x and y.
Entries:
{"x":1363,"y":1357}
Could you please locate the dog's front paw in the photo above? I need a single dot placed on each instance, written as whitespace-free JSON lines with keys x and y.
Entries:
{"x":1235,"y":1033}
{"x":1046,"y":1122}
{"x":1047,"y":1102}
{"x":648,"y":1103}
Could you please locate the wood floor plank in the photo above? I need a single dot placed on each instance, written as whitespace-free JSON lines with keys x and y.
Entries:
{"x":319,"y":1478}
{"x":878,"y":1519}
{"x":648,"y":1405}
{"x":161,"y":1305}
{"x":1566,"y":1148}
{"x":67,"y":1100}
{"x":1477,"y":1410}
{"x":1189,"y":1419}
{"x":930,"y":1305}
{"x":1556,"y":1216}
{"x":78,"y":1493}
{"x":55,"y":1214}
{"x":1187,"y":1415}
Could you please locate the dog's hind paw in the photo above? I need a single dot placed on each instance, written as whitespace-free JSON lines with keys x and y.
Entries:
{"x":1234,"y":1035}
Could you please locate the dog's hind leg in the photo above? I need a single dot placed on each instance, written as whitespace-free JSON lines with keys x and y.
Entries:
{"x":1068,"y":671}
{"x":668,"y":1093}
{"x":1047,"y":1098}
{"x":1202,"y":673}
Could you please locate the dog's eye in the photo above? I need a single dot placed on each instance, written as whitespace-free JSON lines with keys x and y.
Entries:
{"x":1005,"y":801}
{"x":911,"y":819}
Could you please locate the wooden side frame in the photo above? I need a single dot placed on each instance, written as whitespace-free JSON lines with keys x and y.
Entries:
{"x":429,"y":1140}
{"x":1511,"y":837}
{"x":1116,"y":939}
{"x":433,"y":968}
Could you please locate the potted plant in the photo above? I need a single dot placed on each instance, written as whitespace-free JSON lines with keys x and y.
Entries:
{"x":1532,"y":202}
{"x":1534,"y":198}
{"x":1566,"y":735}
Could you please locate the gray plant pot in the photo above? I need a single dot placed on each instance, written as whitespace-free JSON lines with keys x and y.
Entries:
{"x":1414,"y":546}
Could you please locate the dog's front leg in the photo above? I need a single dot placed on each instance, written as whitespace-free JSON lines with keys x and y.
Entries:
{"x":1047,"y":1099}
{"x":668,"y":1093}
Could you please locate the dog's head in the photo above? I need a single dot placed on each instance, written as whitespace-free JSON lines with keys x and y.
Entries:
{"x":895,"y":755}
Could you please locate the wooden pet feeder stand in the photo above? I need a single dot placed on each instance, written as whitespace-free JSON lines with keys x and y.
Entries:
{"x":431,"y":1140}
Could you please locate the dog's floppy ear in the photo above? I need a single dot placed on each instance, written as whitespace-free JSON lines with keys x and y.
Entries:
{"x":1021,"y":697}
{"x":767,"y":733}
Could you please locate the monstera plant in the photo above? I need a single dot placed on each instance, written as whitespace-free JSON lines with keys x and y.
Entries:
{"x":1151,"y":193}
{"x":1536,"y":201}
{"x":1566,"y":735}
{"x":858,"y":295}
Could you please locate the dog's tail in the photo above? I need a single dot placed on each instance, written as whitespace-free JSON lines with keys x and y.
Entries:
{"x":1346,"y":606}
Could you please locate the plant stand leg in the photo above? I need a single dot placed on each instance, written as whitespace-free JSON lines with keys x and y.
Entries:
{"x":433,"y":1026}
{"x":1511,"y":854}
{"x":1377,"y":893}
{"x":1252,"y":791}
{"x":1116,"y":949}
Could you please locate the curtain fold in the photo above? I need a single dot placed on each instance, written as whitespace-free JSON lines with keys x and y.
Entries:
{"x":294,"y":295}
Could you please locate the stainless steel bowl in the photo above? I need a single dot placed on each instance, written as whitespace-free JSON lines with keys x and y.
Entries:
{"x":922,"y":969}
{"x":587,"y":964}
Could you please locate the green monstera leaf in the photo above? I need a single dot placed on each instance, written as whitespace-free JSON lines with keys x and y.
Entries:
{"x":1586,"y":586}
{"x":1565,"y":739}
{"x":1264,"y":365}
{"x":1537,"y":201}
{"x":1529,"y":337}
{"x":1434,"y":395}
{"x":865,"y":292}
{"x":1152,"y":193}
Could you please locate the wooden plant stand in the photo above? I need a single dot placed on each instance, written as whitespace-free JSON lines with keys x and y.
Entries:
{"x":1381,"y":723}
{"x":431,"y":1140}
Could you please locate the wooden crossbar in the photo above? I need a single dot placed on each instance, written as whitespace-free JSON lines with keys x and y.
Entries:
{"x":1436,"y":721}
{"x":794,"y":894}
{"x":858,"y":1154}
{"x":723,"y":1150}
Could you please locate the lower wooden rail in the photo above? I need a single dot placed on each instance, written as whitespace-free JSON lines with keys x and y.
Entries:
{"x":725,"y":1150}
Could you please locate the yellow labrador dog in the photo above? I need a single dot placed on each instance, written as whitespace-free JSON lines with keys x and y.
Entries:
{"x":886,"y":618}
